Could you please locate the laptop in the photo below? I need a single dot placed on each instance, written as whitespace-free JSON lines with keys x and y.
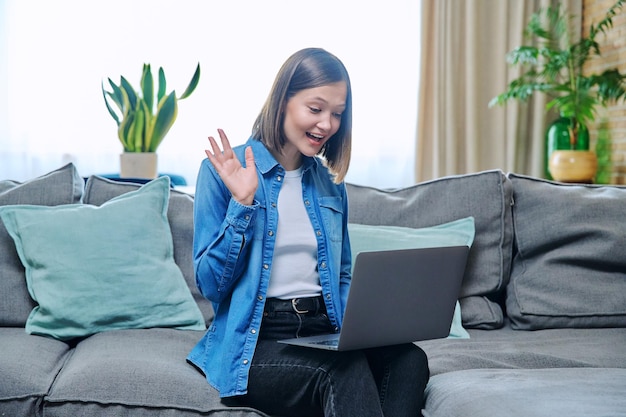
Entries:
{"x":395,"y":297}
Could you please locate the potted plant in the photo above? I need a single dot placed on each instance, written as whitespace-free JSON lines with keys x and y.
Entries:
{"x":143,"y":119}
{"x":553,"y":65}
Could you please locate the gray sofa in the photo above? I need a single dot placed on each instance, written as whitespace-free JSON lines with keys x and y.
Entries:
{"x":543,"y":300}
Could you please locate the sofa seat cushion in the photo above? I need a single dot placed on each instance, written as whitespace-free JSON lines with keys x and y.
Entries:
{"x":28,"y":366}
{"x":569,"y":265}
{"x":99,"y":190}
{"x":486,"y":196}
{"x":138,"y":372}
{"x":62,"y":186}
{"x":506,"y":348}
{"x":572,"y":392}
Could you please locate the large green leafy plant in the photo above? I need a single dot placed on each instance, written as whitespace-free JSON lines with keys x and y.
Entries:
{"x":145,"y":116}
{"x":554,"y":65}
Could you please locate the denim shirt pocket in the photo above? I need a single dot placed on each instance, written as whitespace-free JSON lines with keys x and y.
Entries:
{"x":331,"y":212}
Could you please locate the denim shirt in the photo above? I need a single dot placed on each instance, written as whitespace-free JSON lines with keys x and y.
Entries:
{"x":233,"y":249}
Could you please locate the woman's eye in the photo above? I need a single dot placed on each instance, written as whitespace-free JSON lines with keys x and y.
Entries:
{"x":314,"y":110}
{"x":337,"y":116}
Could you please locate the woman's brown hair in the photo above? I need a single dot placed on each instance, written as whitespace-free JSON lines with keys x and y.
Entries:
{"x":307,"y":68}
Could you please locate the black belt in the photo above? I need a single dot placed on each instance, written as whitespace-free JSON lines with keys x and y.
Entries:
{"x":309,"y":305}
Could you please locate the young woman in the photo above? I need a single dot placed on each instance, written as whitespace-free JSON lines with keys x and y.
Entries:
{"x":272,"y":253}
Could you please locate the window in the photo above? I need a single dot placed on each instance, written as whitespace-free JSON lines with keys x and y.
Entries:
{"x":55,"y":55}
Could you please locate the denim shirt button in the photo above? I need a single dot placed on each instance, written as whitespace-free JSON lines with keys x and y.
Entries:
{"x":259,"y":297}
{"x":245,"y":361}
{"x":266,"y":266}
{"x":253,"y":331}
{"x":271,"y":233}
{"x":323,"y":265}
{"x":319,"y":233}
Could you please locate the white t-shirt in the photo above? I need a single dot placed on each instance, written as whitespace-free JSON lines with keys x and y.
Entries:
{"x":294,"y":266}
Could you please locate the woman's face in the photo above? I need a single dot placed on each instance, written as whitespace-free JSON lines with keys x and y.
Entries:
{"x":312,"y":117}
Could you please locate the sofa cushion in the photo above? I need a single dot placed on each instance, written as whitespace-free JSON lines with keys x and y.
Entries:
{"x":180,"y":215}
{"x":92,"y":269}
{"x":374,"y":238}
{"x":28,"y":365}
{"x":486,"y":196}
{"x":569,"y":268}
{"x":140,"y":372}
{"x":62,"y":186}
{"x":507,"y":348}
{"x":572,"y":392}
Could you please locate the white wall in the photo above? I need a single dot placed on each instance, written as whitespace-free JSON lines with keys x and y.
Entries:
{"x":57,"y":53}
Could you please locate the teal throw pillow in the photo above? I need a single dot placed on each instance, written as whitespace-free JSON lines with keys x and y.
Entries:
{"x":456,"y":233}
{"x":92,"y":269}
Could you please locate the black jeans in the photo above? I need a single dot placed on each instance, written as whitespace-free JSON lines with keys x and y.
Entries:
{"x":294,"y":381}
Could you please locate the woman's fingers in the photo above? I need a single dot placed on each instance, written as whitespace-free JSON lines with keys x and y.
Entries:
{"x":227,"y":151}
{"x":250,"y":158}
{"x":224,"y":161}
{"x":225,"y":143}
{"x":214,"y":147}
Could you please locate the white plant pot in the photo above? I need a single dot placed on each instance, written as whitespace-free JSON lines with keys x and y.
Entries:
{"x":138,"y":165}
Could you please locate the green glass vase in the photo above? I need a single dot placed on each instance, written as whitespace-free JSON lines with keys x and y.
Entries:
{"x":558,"y":138}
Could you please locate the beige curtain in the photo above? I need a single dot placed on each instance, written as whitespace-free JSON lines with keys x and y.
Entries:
{"x":464,"y":43}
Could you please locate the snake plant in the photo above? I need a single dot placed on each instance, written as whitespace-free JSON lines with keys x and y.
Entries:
{"x":144,"y":116}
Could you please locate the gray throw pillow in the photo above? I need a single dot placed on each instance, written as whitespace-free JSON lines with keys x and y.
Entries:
{"x":62,"y":186}
{"x":569,"y":269}
{"x":486,"y":196}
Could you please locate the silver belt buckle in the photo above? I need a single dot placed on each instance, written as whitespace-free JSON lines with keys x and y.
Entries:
{"x":294,"y":305}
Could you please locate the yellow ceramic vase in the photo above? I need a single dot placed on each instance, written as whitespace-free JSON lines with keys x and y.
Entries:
{"x":573,"y":166}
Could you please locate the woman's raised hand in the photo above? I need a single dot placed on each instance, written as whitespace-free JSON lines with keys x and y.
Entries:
{"x":242,"y":182}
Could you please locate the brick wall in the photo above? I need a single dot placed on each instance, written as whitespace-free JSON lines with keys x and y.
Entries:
{"x":613,"y":55}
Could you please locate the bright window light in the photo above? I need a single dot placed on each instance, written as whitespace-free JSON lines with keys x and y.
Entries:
{"x":56,"y":54}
